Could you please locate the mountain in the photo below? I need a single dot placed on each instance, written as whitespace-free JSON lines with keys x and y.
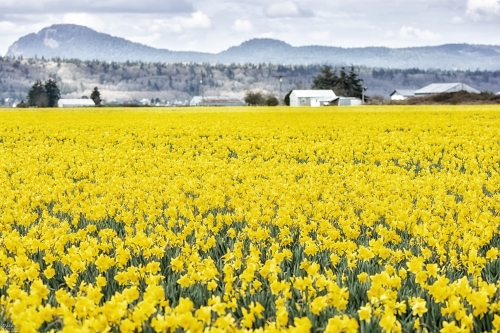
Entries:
{"x":69,"y":41}
{"x":72,"y":41}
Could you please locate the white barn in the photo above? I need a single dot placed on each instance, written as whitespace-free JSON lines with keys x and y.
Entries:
{"x":439,"y":88}
{"x":75,"y":103}
{"x":402,"y":94}
{"x":312,"y":97}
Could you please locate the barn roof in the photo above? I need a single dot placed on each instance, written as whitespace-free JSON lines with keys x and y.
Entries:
{"x":314,"y":93}
{"x":81,"y":101}
{"x":214,"y":99}
{"x":437,"y":88}
{"x":404,"y":92}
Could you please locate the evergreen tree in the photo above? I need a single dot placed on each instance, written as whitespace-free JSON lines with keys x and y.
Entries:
{"x":96,"y":96}
{"x":342,"y":86}
{"x":287,"y":98}
{"x":37,"y":96}
{"x":326,"y":80}
{"x":53,"y":93}
{"x":355,"y":84}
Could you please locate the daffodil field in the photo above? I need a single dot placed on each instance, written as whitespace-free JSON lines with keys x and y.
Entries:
{"x":373,"y":219}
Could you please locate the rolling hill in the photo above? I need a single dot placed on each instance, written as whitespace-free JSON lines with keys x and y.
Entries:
{"x":69,"y":41}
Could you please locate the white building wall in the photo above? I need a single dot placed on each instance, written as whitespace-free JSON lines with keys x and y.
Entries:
{"x":315,"y":102}
{"x":310,"y":97}
{"x":397,"y":97}
{"x":75,"y":103}
{"x":294,"y":100}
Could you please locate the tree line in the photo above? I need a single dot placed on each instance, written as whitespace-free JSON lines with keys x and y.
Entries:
{"x":42,"y":95}
{"x":136,"y":80}
{"x":48,"y":94}
{"x":344,"y":84}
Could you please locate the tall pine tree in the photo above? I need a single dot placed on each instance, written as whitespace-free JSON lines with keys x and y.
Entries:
{"x":345,"y":84}
{"x":355,"y":84}
{"x":53,"y":93}
{"x":96,"y":96}
{"x":326,"y":80}
{"x":37,"y":96}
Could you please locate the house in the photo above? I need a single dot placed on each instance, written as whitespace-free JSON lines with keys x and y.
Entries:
{"x":216,"y":101}
{"x":75,"y":103}
{"x":402,"y":94}
{"x":439,"y":88}
{"x":312,"y":97}
{"x":498,"y":93}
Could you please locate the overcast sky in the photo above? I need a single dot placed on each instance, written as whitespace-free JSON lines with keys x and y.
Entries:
{"x":215,"y":25}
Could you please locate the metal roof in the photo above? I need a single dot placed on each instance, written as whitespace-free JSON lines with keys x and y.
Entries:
{"x":213,"y":100}
{"x":437,"y":88}
{"x":404,"y":92}
{"x":82,"y":101}
{"x":314,"y":93}
{"x":326,"y":99}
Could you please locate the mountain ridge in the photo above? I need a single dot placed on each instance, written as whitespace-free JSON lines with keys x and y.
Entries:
{"x":69,"y":41}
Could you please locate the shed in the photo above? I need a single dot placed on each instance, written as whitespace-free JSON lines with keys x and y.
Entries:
{"x":215,"y":101}
{"x":439,"y":88}
{"x":312,"y":97}
{"x":349,"y":101}
{"x":402,"y":94}
{"x":75,"y":103}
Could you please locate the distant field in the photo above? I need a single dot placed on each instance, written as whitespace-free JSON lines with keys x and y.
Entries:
{"x":224,"y":219}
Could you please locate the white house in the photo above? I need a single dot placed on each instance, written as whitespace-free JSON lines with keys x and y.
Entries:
{"x":75,"y":103}
{"x":402,"y":94}
{"x":498,"y":93}
{"x":439,"y":88}
{"x":312,"y":97}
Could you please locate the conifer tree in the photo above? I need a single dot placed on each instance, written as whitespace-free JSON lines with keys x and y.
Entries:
{"x":327,"y":80}
{"x":96,"y":96}
{"x":53,"y":93}
{"x":355,"y":84}
{"x":37,"y":96}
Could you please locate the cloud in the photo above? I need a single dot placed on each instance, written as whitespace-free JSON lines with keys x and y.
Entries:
{"x":242,"y":25}
{"x":154,"y":28}
{"x":409,"y":32}
{"x":320,"y":36}
{"x":457,"y":20}
{"x":286,"y":9}
{"x":480,"y":9}
{"x":92,"y":6}
{"x":197,"y":20}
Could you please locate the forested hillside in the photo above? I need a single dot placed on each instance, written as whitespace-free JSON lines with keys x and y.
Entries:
{"x":70,"y":41}
{"x":169,"y":82}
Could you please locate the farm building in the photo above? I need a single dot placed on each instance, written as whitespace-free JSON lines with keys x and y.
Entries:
{"x":439,"y":88}
{"x":402,"y":94}
{"x":75,"y":103}
{"x":216,"y":101}
{"x":348,"y":101}
{"x":312,"y":97}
